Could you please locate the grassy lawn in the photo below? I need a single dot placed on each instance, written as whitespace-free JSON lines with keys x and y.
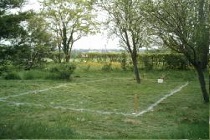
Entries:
{"x":98,"y":104}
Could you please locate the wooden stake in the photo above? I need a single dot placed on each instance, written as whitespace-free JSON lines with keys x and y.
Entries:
{"x":136,"y":103}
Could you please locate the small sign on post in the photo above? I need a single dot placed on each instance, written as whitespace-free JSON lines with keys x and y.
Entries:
{"x":160,"y":81}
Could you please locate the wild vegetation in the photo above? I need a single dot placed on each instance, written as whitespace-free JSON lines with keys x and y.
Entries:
{"x":100,"y":103}
{"x":47,"y":91}
{"x":52,"y":32}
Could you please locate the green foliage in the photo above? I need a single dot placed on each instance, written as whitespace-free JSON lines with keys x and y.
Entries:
{"x":30,"y":75}
{"x":22,"y":56}
{"x":28,"y":43}
{"x":56,"y":56}
{"x":34,"y":74}
{"x":164,"y":61}
{"x":62,"y":71}
{"x":10,"y":23}
{"x":7,"y":66}
{"x":124,"y":61}
{"x":186,"y":29}
{"x":13,"y":75}
{"x":87,"y":68}
{"x":78,"y":21}
{"x":101,"y":57}
{"x":176,"y":61}
{"x":146,"y":61}
{"x":5,"y":54}
{"x":107,"y":67}
{"x":5,"y":4}
{"x":55,"y":72}
{"x":40,"y":42}
{"x":38,"y":57}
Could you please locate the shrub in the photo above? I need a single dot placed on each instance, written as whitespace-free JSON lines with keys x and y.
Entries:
{"x":62,"y":71}
{"x":87,"y":68}
{"x":148,"y":64}
{"x":176,"y":61}
{"x":34,"y":74}
{"x":6,"y":67}
{"x":123,"y":61}
{"x":164,"y":61}
{"x":12,"y":76}
{"x":29,"y":76}
{"x":107,"y":67}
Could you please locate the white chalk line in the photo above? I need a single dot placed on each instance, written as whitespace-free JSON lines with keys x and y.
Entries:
{"x":150,"y":108}
{"x":47,"y":89}
{"x":67,"y":108}
{"x":50,"y":88}
{"x":31,"y":92}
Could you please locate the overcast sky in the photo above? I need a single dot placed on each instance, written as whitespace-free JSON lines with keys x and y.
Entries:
{"x":98,"y":41}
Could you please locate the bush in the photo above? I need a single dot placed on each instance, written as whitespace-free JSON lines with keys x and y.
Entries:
{"x":176,"y":61}
{"x":62,"y":71}
{"x":29,"y":76}
{"x":146,"y":61}
{"x":12,"y":76}
{"x":34,"y":74}
{"x":87,"y":68}
{"x":148,"y":64}
{"x":164,"y":61}
{"x":107,"y":67}
{"x":6,"y":67}
{"x":123,"y":61}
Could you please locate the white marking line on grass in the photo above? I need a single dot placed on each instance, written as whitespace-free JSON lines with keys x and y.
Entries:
{"x":19,"y":104}
{"x":67,"y":108}
{"x":160,"y":100}
{"x":96,"y":80}
{"x":94,"y":111}
{"x":34,"y":91}
{"x":46,"y":89}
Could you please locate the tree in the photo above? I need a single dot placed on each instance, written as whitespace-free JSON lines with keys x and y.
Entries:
{"x":69,"y":20}
{"x":10,"y":23}
{"x":12,"y":31}
{"x":127,"y":23}
{"x":39,"y":41}
{"x":183,"y":25}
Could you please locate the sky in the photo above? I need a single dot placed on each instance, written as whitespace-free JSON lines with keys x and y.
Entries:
{"x":98,"y":41}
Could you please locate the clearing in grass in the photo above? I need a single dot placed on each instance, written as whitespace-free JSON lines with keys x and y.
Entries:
{"x":101,"y":105}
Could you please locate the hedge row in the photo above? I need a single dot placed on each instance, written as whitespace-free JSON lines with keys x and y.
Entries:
{"x":146,"y":61}
{"x":52,"y":72}
{"x":101,"y":57}
{"x":163,"y":61}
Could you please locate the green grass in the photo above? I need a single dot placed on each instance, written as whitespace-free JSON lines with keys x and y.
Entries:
{"x":55,"y":113}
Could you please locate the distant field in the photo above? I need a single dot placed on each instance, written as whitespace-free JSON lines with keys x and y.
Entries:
{"x":98,"y":104}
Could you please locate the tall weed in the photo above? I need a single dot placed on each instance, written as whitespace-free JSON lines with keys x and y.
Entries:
{"x":12,"y":76}
{"x":61,"y":71}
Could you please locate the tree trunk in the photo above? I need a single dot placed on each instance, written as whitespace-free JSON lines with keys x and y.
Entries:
{"x":136,"y":70}
{"x":59,"y":55}
{"x":201,"y":78}
{"x":67,"y":57}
